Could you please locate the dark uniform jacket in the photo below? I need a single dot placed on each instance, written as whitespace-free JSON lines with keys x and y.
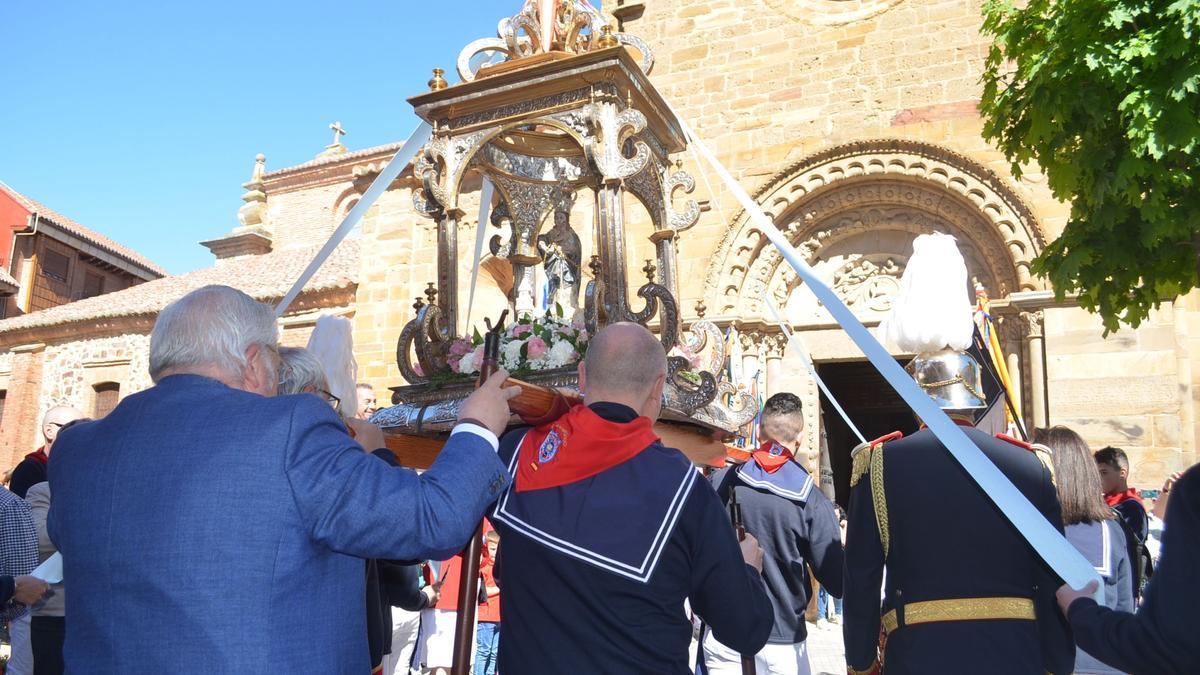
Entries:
{"x":1161,"y":637}
{"x":596,"y":572}
{"x":956,"y":568}
{"x":795,"y":524}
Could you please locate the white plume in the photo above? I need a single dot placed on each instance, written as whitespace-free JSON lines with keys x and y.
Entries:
{"x":332,"y":343}
{"x":933,"y":309}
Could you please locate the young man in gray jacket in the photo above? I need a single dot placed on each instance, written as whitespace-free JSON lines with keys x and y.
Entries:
{"x":795,"y":524}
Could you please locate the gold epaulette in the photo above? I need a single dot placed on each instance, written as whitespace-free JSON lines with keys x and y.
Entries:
{"x":861,"y":462}
{"x":1046,"y":456}
{"x":861,"y":456}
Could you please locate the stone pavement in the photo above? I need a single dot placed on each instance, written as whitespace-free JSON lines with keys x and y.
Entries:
{"x":825,"y":651}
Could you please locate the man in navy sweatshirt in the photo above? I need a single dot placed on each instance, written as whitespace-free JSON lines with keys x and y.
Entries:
{"x":796,"y":524}
{"x":606,"y":532}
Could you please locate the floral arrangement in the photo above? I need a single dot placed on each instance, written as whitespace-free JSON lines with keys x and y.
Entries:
{"x":530,"y":344}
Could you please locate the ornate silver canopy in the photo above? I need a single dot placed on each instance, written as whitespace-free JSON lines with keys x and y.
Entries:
{"x":568,"y":110}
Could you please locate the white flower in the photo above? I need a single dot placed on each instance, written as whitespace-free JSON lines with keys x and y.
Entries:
{"x":561,"y":354}
{"x":467,"y":363}
{"x":511,"y":351}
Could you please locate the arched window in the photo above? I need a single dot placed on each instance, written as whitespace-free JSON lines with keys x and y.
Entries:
{"x":104,"y":398}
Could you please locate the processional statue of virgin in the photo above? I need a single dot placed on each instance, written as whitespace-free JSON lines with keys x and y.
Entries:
{"x":562,"y":256}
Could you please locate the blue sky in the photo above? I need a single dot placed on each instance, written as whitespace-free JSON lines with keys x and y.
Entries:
{"x":141,"y":119}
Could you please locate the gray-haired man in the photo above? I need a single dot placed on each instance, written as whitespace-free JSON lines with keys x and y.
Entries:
{"x":225,"y":526}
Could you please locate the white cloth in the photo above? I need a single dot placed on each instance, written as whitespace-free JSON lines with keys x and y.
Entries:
{"x":438,"y":638}
{"x":482,"y":432}
{"x":405,"y":629}
{"x":772,"y":660}
{"x":21,"y":661}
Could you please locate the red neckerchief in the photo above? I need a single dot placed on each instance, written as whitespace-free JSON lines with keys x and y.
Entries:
{"x":771,"y":455}
{"x":40,"y":456}
{"x":578,"y":445}
{"x":1114,"y":498}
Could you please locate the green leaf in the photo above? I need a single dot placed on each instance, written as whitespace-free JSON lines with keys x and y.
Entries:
{"x":1104,"y":96}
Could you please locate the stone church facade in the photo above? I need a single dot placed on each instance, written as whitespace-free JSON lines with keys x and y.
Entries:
{"x":852,"y":122}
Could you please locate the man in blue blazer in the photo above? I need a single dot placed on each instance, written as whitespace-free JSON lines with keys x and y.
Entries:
{"x":207,"y":526}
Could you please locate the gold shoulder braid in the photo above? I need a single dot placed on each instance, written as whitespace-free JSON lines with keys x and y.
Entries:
{"x":1046,"y":456}
{"x":879,"y":497}
{"x":861,"y":458}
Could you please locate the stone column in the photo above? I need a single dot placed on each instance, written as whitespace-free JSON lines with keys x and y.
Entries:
{"x":1008,"y":329}
{"x":1035,"y":342}
{"x":751,"y":343}
{"x":773,"y":346}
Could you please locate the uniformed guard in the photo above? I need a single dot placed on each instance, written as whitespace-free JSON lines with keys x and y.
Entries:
{"x":963,"y":592}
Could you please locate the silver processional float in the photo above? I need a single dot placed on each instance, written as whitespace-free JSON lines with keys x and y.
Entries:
{"x":559,"y":104}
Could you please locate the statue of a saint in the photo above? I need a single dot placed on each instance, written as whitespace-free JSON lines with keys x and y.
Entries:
{"x":562,"y":255}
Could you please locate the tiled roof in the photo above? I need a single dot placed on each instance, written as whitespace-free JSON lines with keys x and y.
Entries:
{"x":264,"y":277}
{"x":91,"y":236}
{"x":7,"y":282}
{"x":334,"y":159}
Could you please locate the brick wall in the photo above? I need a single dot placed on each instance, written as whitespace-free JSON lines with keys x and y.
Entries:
{"x":19,"y":430}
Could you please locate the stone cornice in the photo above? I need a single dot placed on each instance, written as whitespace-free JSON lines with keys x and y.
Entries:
{"x":19,"y":341}
{"x":329,"y":171}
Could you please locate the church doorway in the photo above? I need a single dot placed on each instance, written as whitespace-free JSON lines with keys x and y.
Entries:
{"x":874,"y":407}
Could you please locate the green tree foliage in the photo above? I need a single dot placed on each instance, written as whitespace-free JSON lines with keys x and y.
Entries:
{"x":1105,"y":96}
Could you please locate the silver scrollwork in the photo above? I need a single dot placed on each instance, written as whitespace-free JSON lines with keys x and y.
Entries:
{"x":680,"y":220}
{"x":611,"y":129}
{"x":432,"y":340}
{"x":684,"y":393}
{"x":576,"y":28}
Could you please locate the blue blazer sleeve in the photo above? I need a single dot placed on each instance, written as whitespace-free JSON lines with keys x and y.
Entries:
{"x":8,"y":586}
{"x":357,"y":505}
{"x":1161,"y":636}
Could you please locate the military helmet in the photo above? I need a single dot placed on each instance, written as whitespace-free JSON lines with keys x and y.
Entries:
{"x":952,"y":378}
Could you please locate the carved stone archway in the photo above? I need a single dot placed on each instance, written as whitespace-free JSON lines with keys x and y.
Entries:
{"x":868,"y":187}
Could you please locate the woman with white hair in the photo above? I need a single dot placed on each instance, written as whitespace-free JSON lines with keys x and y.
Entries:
{"x":388,"y":583}
{"x":301,"y":373}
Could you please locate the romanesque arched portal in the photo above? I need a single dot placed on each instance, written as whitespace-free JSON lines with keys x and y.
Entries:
{"x":853,"y":211}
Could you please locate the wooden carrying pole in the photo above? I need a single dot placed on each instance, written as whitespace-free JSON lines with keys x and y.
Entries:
{"x":468,"y":581}
{"x":735,"y":515}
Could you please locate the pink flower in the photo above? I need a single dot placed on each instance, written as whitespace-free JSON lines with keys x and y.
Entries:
{"x":418,"y":370}
{"x":535,"y":348}
{"x":459,"y":347}
{"x":521,"y":329}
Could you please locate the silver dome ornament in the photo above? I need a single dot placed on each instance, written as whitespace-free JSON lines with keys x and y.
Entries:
{"x":951,"y":378}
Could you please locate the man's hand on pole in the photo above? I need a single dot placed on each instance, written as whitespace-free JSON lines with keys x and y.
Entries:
{"x":488,"y":404}
{"x":1067,"y":595}
{"x":752,"y":552}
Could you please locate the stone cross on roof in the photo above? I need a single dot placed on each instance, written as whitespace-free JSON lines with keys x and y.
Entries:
{"x":338,"y":132}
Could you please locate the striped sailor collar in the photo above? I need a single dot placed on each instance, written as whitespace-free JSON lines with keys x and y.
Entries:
{"x":552,"y":517}
{"x":790,"y":481}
